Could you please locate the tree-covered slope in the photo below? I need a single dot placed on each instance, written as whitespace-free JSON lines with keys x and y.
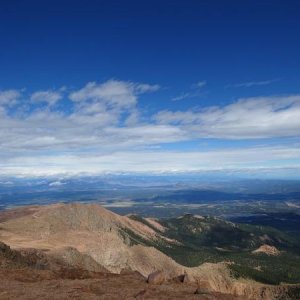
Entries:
{"x":192,"y":240}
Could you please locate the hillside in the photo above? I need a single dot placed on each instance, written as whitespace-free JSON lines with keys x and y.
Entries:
{"x":91,"y":238}
{"x":201,"y":239}
{"x":29,"y":276}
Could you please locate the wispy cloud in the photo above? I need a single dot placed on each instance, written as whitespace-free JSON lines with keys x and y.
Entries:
{"x":200,"y":84}
{"x":252,"y":83}
{"x":194,"y":91}
{"x":184,"y":96}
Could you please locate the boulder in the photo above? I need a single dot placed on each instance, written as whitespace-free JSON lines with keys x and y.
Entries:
{"x":185,"y":278}
{"x":207,"y":295}
{"x":202,"y":291}
{"x":157,"y":277}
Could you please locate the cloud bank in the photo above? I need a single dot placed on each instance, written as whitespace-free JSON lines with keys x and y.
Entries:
{"x":103,"y":127}
{"x":261,"y":117}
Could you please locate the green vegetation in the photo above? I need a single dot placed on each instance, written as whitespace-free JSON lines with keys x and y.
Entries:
{"x":210,"y":239}
{"x":268,"y":269}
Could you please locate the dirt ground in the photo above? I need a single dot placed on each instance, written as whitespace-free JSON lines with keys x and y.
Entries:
{"x":44,"y":284}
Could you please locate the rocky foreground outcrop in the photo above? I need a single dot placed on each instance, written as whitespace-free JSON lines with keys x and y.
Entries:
{"x":77,"y":247}
{"x":30,"y":275}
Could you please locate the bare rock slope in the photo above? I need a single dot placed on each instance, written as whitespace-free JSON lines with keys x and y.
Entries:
{"x":90,"y":229}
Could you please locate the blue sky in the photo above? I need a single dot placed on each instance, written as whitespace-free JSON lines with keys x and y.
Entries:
{"x":149,"y":86}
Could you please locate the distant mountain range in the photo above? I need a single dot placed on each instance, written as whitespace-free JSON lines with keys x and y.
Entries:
{"x":169,"y":182}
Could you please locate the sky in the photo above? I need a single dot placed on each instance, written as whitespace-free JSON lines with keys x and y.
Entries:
{"x":92,"y":87}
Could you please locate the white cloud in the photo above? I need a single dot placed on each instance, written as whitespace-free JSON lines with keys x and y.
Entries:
{"x":105,"y":130}
{"x":146,"y":88}
{"x":112,"y":93}
{"x":56,"y":183}
{"x":260,"y":117}
{"x":156,"y":161}
{"x":96,"y":121}
{"x":50,"y":97}
{"x":9,"y":97}
{"x":146,"y":134}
